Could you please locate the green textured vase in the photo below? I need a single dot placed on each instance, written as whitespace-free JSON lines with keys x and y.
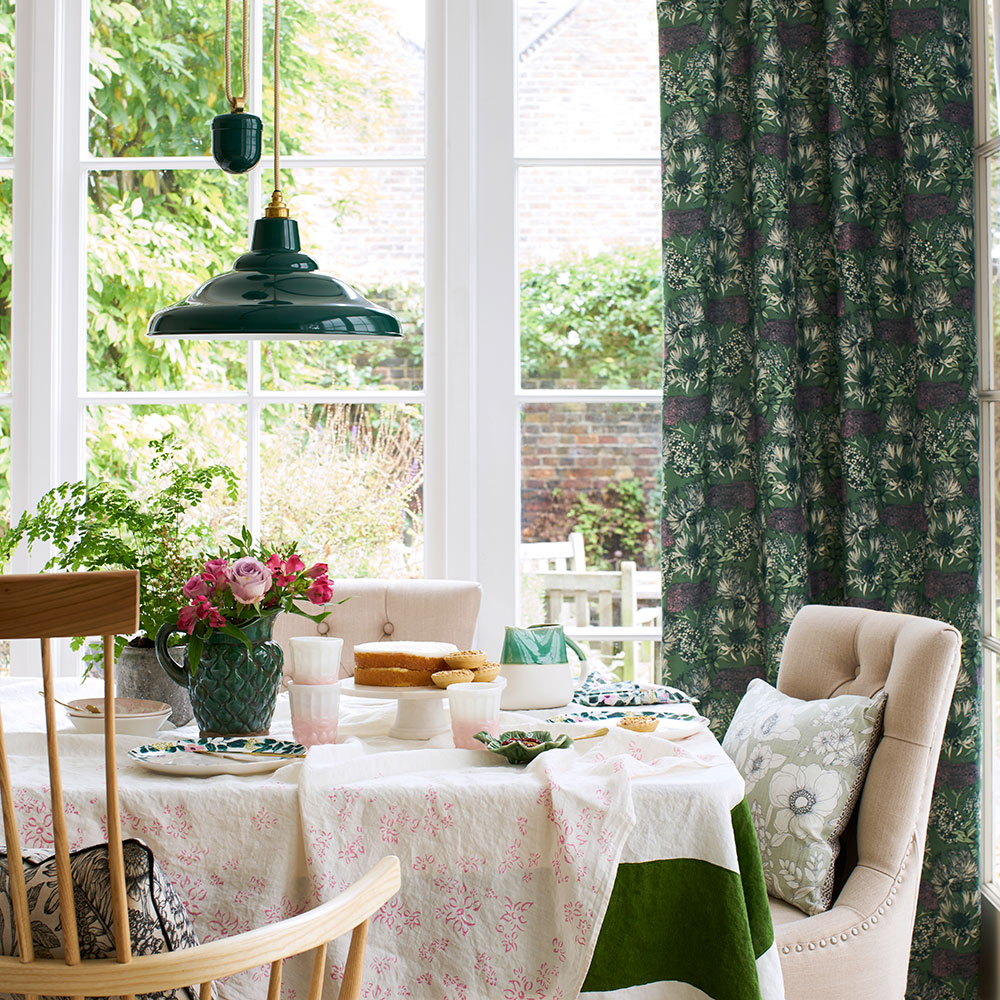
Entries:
{"x":234,"y":689}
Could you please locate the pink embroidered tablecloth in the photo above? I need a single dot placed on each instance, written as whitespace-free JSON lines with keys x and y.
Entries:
{"x":507,"y":871}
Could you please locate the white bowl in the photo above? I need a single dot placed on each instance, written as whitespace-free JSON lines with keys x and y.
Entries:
{"x":127,"y":725}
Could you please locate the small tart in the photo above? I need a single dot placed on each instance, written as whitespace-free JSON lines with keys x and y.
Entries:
{"x":487,"y":672}
{"x":639,"y":723}
{"x":442,"y":678}
{"x":465,"y":659}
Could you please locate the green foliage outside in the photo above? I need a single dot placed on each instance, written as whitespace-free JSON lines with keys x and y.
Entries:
{"x":593,"y":321}
{"x":615,"y":521}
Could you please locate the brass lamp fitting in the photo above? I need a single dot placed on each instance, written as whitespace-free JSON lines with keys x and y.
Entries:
{"x":277,"y":209}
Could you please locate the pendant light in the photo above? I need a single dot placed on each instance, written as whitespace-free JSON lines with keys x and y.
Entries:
{"x":274,"y":292}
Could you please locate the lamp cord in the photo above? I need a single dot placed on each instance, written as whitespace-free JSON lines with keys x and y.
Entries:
{"x":238,"y":102}
{"x":277,"y":121}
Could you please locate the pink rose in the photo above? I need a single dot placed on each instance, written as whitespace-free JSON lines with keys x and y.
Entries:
{"x":317,"y":569}
{"x":187,"y":618}
{"x":195,"y":587}
{"x":293,"y":564}
{"x":217,"y":571}
{"x":320,"y":591}
{"x":249,"y":580}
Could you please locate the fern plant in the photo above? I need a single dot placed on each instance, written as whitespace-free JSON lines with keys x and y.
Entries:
{"x":99,"y":526}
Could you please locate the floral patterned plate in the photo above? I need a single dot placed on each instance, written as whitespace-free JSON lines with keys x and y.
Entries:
{"x":218,"y":755}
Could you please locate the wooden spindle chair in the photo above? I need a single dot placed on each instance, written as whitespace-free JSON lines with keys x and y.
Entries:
{"x":54,"y":605}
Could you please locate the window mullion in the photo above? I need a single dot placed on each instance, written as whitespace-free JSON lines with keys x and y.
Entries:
{"x":497,"y":454}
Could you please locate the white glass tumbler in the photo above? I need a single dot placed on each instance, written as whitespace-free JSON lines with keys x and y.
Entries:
{"x":315,"y":712}
{"x":474,"y":707}
{"x":315,"y":659}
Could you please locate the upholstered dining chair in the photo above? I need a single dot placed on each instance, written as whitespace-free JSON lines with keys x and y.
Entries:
{"x":107,"y":603}
{"x":860,"y":947}
{"x":382,"y":610}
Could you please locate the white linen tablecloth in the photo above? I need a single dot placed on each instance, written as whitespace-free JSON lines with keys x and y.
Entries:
{"x":507,"y":871}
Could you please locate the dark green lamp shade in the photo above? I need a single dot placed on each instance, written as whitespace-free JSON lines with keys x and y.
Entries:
{"x":275,"y":292}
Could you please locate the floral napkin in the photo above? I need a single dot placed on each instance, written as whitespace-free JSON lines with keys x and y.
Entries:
{"x":599,"y":714}
{"x":600,"y":689}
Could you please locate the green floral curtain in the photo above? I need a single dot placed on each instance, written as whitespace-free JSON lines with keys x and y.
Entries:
{"x":819,"y":413}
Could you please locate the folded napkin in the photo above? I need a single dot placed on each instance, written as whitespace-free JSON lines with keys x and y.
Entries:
{"x":600,"y":714}
{"x":600,"y":689}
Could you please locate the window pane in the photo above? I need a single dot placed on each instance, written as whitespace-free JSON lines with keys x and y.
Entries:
{"x":993,"y":221}
{"x":352,"y":77}
{"x":366,"y":228}
{"x":156,"y":77}
{"x":120,"y":450}
{"x":587,"y":80}
{"x":591,"y":468}
{"x":6,"y":231}
{"x":591,"y":299}
{"x":153,"y":237}
{"x":4,"y":509}
{"x":346,"y":484}
{"x":6,"y":77}
{"x":992,"y":66}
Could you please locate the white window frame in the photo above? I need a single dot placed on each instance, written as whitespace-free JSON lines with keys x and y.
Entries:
{"x":471,"y":398}
{"x":986,"y":154}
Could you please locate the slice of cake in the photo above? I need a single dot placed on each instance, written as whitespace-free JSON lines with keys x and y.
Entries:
{"x":399,"y":664}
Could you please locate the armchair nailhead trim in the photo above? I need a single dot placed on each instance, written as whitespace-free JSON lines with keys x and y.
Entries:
{"x":854,"y":930}
{"x":843,"y":937}
{"x":864,"y":926}
{"x":798,"y":947}
{"x":812,"y":946}
{"x":785,"y":950}
{"x":822,"y":942}
{"x":881,"y":910}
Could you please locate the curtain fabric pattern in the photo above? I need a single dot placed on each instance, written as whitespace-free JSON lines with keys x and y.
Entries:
{"x":820,"y":440}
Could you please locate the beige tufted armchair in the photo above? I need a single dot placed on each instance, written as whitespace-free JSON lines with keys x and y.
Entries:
{"x":419,"y":610}
{"x":860,"y":947}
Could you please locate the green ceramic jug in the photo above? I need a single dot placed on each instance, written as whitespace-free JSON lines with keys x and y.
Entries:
{"x":234,"y":690}
{"x":545,"y":643}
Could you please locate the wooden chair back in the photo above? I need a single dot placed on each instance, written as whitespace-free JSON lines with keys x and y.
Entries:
{"x":50,"y":605}
{"x":537,"y":557}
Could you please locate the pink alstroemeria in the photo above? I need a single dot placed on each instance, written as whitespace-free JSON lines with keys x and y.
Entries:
{"x":273,"y":562}
{"x":187,"y":618}
{"x":202,"y":607}
{"x":250,"y":580}
{"x":195,"y":587}
{"x":215,"y":619}
{"x":293,"y":564}
{"x":317,"y":570}
{"x":320,"y":591}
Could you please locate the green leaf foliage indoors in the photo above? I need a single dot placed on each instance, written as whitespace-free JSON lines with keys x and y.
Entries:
{"x":101,"y":526}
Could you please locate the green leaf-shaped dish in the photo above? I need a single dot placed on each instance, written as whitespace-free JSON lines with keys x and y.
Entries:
{"x":519,"y":747}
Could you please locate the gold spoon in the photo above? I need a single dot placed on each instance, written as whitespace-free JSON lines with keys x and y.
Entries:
{"x":590,"y":736}
{"x":74,"y":708}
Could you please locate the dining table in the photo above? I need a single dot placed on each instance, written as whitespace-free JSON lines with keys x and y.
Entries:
{"x":625,"y":866}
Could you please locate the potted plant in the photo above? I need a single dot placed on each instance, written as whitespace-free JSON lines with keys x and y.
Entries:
{"x":231,"y":665}
{"x":94,"y":526}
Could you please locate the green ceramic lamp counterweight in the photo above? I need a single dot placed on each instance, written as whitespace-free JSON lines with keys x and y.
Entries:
{"x":274,"y":292}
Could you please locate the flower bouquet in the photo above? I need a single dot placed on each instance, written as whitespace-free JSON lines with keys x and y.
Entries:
{"x":232,"y":667}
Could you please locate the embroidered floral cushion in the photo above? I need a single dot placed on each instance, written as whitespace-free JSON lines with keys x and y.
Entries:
{"x":804,"y":763}
{"x":157,"y":918}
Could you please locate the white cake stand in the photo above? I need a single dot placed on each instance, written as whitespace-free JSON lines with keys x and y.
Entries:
{"x":419,"y":710}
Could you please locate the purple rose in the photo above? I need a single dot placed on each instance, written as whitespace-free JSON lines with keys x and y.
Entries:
{"x":249,"y":580}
